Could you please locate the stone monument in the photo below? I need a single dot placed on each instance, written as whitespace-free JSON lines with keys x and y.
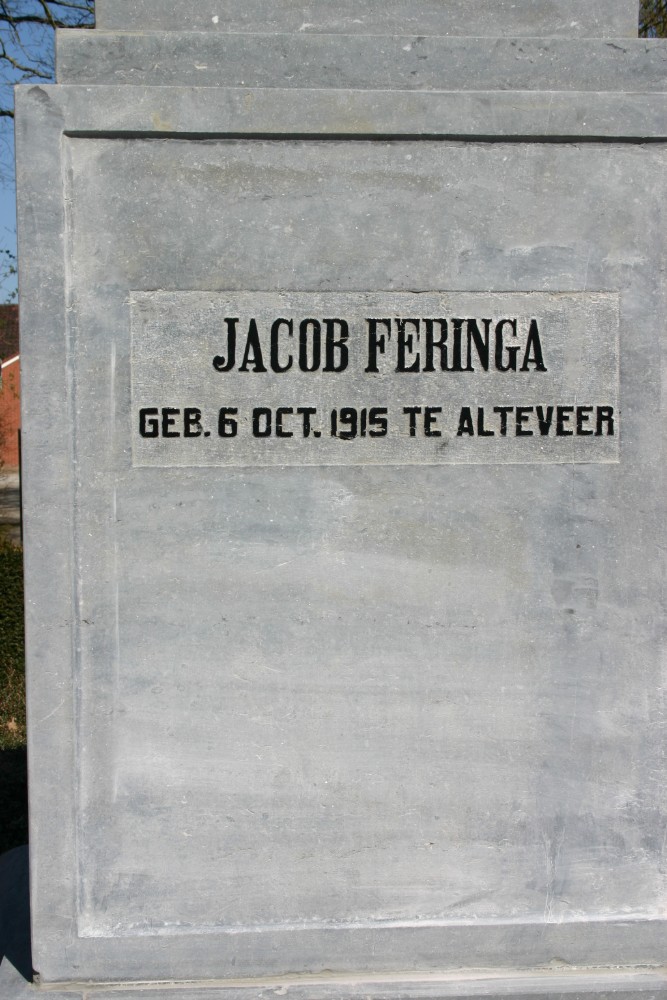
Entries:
{"x":343,"y":336}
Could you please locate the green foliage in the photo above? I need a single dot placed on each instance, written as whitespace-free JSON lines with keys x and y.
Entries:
{"x":653,"y":19}
{"x":13,"y":771}
{"x":12,"y":652}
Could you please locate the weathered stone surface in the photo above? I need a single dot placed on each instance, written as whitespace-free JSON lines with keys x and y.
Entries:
{"x":549,"y":985}
{"x":433,"y":674}
{"x":331,"y":728}
{"x":352,"y":61}
{"x":544,"y":347}
{"x":583,"y":18}
{"x":14,"y":987}
{"x":277,"y":112}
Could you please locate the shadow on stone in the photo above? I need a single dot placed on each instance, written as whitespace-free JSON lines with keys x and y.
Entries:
{"x":15,"y":911}
{"x":13,"y":799}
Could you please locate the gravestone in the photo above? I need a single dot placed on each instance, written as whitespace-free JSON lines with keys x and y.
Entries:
{"x":344,"y":503}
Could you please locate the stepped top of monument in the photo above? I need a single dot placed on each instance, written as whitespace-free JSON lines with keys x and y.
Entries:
{"x":489,"y":18}
{"x":453,"y":45}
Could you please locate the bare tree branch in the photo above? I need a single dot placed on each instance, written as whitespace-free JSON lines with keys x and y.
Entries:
{"x":653,"y":19}
{"x":26,"y":40}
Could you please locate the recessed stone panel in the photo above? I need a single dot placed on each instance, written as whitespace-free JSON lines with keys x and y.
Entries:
{"x":252,"y":378}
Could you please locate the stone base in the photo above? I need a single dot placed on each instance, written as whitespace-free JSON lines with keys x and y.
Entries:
{"x":545,"y":984}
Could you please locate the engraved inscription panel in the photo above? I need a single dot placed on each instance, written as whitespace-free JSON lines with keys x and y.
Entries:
{"x":254,"y":378}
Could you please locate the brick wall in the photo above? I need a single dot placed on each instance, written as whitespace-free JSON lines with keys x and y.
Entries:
{"x":10,"y":413}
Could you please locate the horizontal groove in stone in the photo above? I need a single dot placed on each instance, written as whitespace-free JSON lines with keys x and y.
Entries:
{"x":317,"y":113}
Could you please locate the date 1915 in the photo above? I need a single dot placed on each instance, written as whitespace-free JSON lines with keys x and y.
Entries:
{"x":345,"y":422}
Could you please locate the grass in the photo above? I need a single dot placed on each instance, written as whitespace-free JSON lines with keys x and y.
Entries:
{"x":13,"y":782}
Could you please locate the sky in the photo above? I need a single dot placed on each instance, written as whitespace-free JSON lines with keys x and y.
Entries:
{"x":33,"y":47}
{"x":8,"y":217}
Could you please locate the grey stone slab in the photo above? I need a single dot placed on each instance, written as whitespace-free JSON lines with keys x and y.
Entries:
{"x":14,"y":987}
{"x":49,"y":510}
{"x":350,"y":726}
{"x":444,"y":683}
{"x":584,"y":18}
{"x":279,"y":112}
{"x":15,"y":954}
{"x":407,"y":62}
{"x":577,"y":986}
